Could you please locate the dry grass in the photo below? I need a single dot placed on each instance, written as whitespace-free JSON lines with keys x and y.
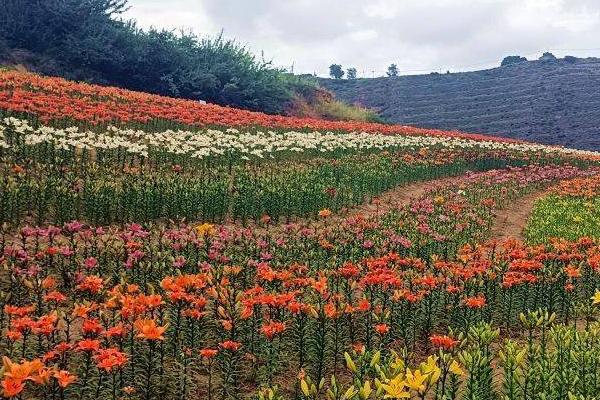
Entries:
{"x":338,"y":110}
{"x":322,"y":104}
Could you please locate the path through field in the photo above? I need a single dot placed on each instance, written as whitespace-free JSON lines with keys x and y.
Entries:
{"x":397,"y":197}
{"x":392,"y":199}
{"x":511,"y":220}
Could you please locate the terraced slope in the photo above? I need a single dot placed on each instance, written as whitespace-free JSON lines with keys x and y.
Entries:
{"x":549,"y":102}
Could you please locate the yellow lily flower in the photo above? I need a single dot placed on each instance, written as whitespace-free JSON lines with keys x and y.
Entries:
{"x":431,"y":369}
{"x":394,"y":389}
{"x":415,"y":380}
{"x":455,"y":368}
{"x":596,"y":298}
{"x":205,"y":229}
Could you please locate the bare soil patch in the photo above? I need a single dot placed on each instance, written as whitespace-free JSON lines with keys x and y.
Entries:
{"x":512,"y":219}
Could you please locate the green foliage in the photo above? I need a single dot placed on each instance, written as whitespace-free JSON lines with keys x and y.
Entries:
{"x":336,"y":71}
{"x":392,"y":70}
{"x":547,"y":57}
{"x":51,"y":24}
{"x":510,"y":60}
{"x":351,"y":73}
{"x":92,"y":44}
{"x":563,"y":217}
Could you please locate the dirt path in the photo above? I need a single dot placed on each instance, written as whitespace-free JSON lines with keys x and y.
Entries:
{"x":511,"y":220}
{"x":392,"y":199}
{"x":396,"y":197}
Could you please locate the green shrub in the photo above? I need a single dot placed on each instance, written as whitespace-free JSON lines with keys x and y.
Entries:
{"x":89,"y":42}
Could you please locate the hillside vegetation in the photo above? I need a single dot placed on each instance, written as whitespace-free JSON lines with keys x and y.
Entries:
{"x":552,"y":102}
{"x":89,"y":41}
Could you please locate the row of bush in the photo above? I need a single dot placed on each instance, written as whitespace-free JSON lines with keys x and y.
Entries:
{"x":90,"y":41}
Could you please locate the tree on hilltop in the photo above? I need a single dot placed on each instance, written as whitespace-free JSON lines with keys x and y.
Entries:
{"x":351,"y":73}
{"x":510,"y":60}
{"x":547,"y":56}
{"x":392,"y":70}
{"x":336,"y":71}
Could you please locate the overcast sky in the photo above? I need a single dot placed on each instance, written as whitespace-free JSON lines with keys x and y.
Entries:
{"x":418,"y":35}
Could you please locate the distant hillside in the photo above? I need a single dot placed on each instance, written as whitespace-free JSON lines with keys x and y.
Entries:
{"x":552,"y":102}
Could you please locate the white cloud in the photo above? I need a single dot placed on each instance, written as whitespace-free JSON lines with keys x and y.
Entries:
{"x":186,"y":14}
{"x":415,"y":34}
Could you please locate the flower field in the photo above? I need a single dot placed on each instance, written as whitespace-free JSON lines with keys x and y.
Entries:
{"x":55,"y":99}
{"x":154,"y":248}
{"x":570,"y":211}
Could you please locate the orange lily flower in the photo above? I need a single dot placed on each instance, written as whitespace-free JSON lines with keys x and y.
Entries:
{"x":147,"y":329}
